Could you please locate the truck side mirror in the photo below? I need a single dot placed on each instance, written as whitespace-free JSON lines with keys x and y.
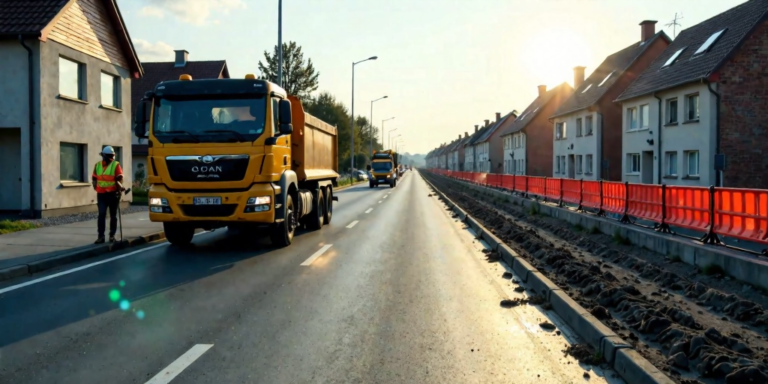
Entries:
{"x":140,"y":121}
{"x":284,"y":110}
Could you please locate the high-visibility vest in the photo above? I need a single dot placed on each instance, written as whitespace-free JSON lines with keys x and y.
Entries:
{"x":105,"y":177}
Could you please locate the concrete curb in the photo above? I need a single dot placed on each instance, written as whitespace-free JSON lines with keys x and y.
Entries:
{"x":619,"y":354}
{"x":75,"y":256}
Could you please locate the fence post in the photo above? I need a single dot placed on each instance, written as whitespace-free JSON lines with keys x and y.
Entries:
{"x":545,"y":188}
{"x":525,"y":193}
{"x":625,"y":217}
{"x":581,"y":195}
{"x":514,"y":183}
{"x":711,"y":236}
{"x":600,"y":211}
{"x":663,"y":226}
{"x":560,"y":202}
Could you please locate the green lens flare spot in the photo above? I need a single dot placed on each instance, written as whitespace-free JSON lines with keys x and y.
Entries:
{"x":114,"y":295}
{"x":140,"y":315}
{"x":122,"y":283}
{"x":125,"y":305}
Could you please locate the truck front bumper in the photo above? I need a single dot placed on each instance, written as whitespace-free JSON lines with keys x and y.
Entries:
{"x":257,"y":205}
{"x":381,"y":179}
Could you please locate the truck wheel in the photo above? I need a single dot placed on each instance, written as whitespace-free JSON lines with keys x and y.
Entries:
{"x":370,"y":185}
{"x":317,"y":216}
{"x":178,"y":234}
{"x":329,"y":207}
{"x":282,"y":233}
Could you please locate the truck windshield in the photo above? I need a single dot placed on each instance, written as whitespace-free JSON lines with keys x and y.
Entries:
{"x":381,"y":166}
{"x":209,"y":120}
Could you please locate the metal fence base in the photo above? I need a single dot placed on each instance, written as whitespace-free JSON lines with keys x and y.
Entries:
{"x":711,"y":238}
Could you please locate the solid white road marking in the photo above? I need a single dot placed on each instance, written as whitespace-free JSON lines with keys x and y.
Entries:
{"x":352,"y":224}
{"x":368,"y":210}
{"x":40,"y":280}
{"x":316,"y":255}
{"x":170,"y":372}
{"x":385,"y":196}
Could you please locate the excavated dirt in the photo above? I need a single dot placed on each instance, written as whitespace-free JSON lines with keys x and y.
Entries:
{"x":690,"y":325}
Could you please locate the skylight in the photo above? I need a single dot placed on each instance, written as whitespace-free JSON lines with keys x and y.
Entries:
{"x":707,"y":44}
{"x":606,"y":79}
{"x":674,"y":57}
{"x":587,"y":88}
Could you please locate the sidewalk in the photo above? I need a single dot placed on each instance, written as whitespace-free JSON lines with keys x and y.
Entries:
{"x":35,"y":250}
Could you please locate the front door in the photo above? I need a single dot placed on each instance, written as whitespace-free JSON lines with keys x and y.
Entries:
{"x":571,"y":166}
{"x":10,"y":178}
{"x":646,"y":168}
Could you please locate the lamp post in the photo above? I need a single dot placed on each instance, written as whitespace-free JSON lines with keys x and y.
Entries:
{"x":382,"y":129}
{"x":389,"y":138}
{"x":392,"y":141}
{"x":371,"y":120}
{"x":280,"y":42}
{"x":352,"y":126}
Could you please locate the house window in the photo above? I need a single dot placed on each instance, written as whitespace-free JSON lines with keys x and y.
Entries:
{"x":632,"y":122}
{"x":71,"y":162}
{"x":633,"y":163}
{"x":588,"y":164}
{"x":110,"y":90}
{"x":563,"y":169}
{"x":578,"y":127}
{"x":559,"y":131}
{"x":671,"y":163}
{"x":672,"y":111}
{"x":71,"y":79}
{"x":557,"y":164}
{"x":588,"y":123}
{"x":692,"y":107}
{"x":118,"y":153}
{"x":692,"y":162}
{"x":645,"y":116}
{"x":579,"y":168}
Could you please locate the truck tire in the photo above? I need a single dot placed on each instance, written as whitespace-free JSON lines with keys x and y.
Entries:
{"x":178,"y":234}
{"x":329,"y":206}
{"x":370,"y":184}
{"x":317,"y":216}
{"x":282,"y":233}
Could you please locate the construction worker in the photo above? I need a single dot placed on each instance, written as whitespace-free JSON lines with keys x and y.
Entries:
{"x":107,"y":180}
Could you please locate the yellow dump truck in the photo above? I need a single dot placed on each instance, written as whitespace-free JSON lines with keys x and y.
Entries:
{"x":383,"y":169}
{"x":239,"y":153}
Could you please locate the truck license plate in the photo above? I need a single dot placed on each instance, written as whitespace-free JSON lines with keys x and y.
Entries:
{"x":207,"y":201}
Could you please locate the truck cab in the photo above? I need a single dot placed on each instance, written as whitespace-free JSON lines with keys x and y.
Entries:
{"x":383,"y":169}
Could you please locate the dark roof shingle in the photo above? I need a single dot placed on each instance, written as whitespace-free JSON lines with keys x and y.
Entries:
{"x":738,"y":22}
{"x":532,"y":111}
{"x":494,"y":127}
{"x":26,"y":17}
{"x":590,"y":92}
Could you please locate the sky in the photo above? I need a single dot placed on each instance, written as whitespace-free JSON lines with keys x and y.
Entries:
{"x":445,"y":65}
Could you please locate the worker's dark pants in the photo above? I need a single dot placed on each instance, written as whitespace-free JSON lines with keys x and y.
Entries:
{"x":111,"y":201}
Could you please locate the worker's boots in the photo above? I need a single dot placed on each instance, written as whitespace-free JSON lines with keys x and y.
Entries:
{"x":111,"y":238}
{"x":100,"y":240}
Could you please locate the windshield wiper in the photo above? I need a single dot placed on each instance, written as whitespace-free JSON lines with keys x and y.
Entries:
{"x":235,"y":133}
{"x":197,"y":140}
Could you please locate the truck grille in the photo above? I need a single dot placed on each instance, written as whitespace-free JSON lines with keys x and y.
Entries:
{"x":223,"y":210}
{"x":217,"y":168}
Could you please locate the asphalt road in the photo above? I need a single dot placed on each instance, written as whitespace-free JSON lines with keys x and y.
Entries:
{"x":395,"y":290}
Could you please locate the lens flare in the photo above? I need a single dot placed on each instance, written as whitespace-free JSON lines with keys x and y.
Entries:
{"x":125,"y":305}
{"x":140,"y":314}
{"x":114,"y":295}
{"x":122,"y":283}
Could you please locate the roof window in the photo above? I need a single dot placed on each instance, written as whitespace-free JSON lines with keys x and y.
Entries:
{"x":606,"y":79}
{"x":587,"y":88}
{"x":674,"y":57}
{"x":708,"y":44}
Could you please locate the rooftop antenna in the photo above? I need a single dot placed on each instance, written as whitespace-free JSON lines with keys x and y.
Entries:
{"x":674,"y":24}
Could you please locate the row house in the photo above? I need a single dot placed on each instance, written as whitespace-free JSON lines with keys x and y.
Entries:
{"x":429,"y":159}
{"x":697,"y":115}
{"x":66,"y":68}
{"x":469,"y":150}
{"x":488,"y":146}
{"x":532,"y":129}
{"x":588,"y":126}
{"x":457,"y":153}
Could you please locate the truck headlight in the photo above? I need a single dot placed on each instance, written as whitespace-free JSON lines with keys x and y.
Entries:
{"x":261,"y":200}
{"x":161,"y":201}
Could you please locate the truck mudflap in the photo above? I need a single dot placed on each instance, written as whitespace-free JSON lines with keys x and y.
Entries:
{"x":335,"y":198}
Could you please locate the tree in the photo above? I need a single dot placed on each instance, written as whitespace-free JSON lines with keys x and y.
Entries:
{"x":299,"y":77}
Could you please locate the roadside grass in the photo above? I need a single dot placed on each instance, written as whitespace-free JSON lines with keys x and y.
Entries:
{"x":140,"y":197}
{"x":345,"y":181}
{"x":8,"y":226}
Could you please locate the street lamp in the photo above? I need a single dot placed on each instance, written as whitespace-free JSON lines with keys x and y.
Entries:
{"x":352,"y":136}
{"x":389,"y":138}
{"x":382,"y":129}
{"x":371,"y":121}
{"x":391,"y":141}
{"x":280,"y":42}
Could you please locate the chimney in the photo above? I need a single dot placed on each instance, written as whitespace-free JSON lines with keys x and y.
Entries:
{"x":542,"y":90}
{"x":476,"y":128}
{"x":459,"y":136}
{"x":578,"y":76}
{"x":466,"y":134}
{"x":498,"y":116}
{"x":181,"y":58}
{"x":647,"y":30}
{"x":486,"y":122}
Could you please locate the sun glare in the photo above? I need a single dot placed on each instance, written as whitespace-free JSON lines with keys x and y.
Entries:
{"x":552,"y":54}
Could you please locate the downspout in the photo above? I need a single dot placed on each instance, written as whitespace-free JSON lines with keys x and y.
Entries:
{"x":658,"y":146}
{"x":602,"y":144}
{"x":31,"y":101}
{"x":718,"y":178}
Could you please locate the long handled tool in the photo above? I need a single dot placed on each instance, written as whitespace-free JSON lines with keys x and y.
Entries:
{"x":120,"y":212}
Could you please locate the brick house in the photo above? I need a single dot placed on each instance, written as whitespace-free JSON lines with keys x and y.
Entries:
{"x":588,"y":126}
{"x":707,"y":94}
{"x":66,"y":68}
{"x":156,"y":72}
{"x":457,"y":153}
{"x":532,"y":129}
{"x":489,"y":146}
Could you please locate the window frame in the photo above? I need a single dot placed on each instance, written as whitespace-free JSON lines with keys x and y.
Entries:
{"x":579,"y":164}
{"x":590,"y":126}
{"x":641,"y":120}
{"x":688,"y":163}
{"x":633,"y":112}
{"x":560,"y":128}
{"x":688,"y":107}
{"x":116,"y":100}
{"x":588,"y":160}
{"x":632,"y":160}
{"x":579,"y":127}
{"x":81,"y":80}
{"x":668,"y":164}
{"x":668,"y":116}
{"x":80,"y":167}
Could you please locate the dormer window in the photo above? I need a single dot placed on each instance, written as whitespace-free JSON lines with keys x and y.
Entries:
{"x":710,"y":41}
{"x":674,"y":57}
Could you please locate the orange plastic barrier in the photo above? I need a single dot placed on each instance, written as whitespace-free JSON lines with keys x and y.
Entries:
{"x":508,"y":182}
{"x":479,"y":177}
{"x":645,"y":202}
{"x":590,"y":191}
{"x":742,"y":213}
{"x":572,"y":191}
{"x":493,"y":180}
{"x":537,"y":186}
{"x":554,"y":189}
{"x":687,"y":207}
{"x":521,"y":184}
{"x":614,"y":196}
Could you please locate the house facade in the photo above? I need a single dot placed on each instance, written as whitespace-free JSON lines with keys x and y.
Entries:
{"x":695,"y":116}
{"x":532,"y":129}
{"x":490,"y":146}
{"x":66,"y":69}
{"x":587,"y":128}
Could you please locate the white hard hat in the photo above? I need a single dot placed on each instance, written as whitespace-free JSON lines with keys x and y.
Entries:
{"x":108,"y":150}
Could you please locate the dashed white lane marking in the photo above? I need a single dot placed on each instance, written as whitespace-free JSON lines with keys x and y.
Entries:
{"x":385,"y":196}
{"x":170,"y":372}
{"x":316,"y":255}
{"x":368,"y":210}
{"x":352,"y":224}
{"x":73,"y":270}
{"x":379,"y":201}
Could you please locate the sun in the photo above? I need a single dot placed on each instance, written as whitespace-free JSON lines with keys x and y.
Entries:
{"x":552,"y":54}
